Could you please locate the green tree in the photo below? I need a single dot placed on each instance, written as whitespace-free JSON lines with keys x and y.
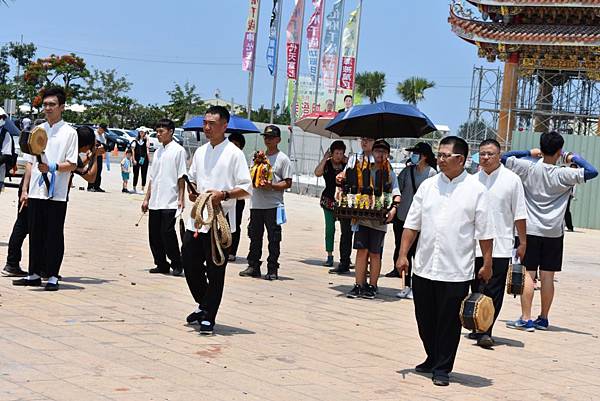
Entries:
{"x":184,"y":102}
{"x":370,"y":84}
{"x":106,"y":97}
{"x":478,"y":130}
{"x":412,"y":90}
{"x":145,"y":115}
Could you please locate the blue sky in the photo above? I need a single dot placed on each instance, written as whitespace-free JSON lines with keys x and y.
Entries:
{"x":399,"y":37}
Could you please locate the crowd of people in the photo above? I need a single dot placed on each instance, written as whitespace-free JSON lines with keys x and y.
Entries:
{"x":454,"y":231}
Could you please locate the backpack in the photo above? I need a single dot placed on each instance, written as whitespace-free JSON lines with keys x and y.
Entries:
{"x":10,"y":161}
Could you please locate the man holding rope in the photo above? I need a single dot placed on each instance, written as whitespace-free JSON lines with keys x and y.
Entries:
{"x":218,"y":168}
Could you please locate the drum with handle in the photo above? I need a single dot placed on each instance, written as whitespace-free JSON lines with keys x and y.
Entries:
{"x":34,"y":143}
{"x":515,"y":279}
{"x":477,"y":312}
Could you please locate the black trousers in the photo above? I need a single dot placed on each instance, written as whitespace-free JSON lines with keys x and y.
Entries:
{"x":235,"y":237}
{"x":136,"y":173}
{"x":17,"y":237}
{"x":205,"y":279}
{"x":398,"y":229}
{"x":437,"y":305}
{"x":495,"y":287}
{"x":163,"y":239}
{"x":46,"y":236}
{"x":98,"y":181}
{"x":345,"y":242}
{"x":568,"y":216}
{"x":259,"y":219}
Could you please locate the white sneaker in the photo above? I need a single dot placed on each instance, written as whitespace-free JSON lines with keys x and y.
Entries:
{"x":405,"y":293}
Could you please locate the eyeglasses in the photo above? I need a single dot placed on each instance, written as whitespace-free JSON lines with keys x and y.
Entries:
{"x":49,"y":105}
{"x":443,"y":156}
{"x":487,"y":154}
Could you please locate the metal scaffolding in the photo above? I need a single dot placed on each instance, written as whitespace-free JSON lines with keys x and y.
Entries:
{"x":564,"y":101}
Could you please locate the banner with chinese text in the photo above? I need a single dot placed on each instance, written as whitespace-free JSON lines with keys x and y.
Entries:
{"x":313,"y":37}
{"x":293,"y":32}
{"x":249,"y":47}
{"x":349,"y":45}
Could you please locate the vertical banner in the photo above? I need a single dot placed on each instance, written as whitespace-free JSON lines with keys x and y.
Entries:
{"x":249,"y":47}
{"x":273,"y":37}
{"x":349,"y":44}
{"x":331,"y":43}
{"x":313,"y":36}
{"x":293,"y":33}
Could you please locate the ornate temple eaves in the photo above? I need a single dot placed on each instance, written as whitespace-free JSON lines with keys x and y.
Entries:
{"x":536,"y":3}
{"x":521,"y":34}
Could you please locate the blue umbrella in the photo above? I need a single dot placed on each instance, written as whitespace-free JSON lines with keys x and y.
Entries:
{"x":236,"y":124}
{"x":382,"y":120}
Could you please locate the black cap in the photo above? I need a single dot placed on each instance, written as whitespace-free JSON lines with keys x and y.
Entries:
{"x":103,"y":126}
{"x":421,"y":148}
{"x":272,"y":130}
{"x":381,"y":144}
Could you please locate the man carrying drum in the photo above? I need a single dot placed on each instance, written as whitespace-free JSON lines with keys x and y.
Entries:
{"x":47,"y":204}
{"x":450,"y":211}
{"x":507,"y":202}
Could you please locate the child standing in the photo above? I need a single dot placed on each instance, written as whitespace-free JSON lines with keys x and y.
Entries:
{"x":126,"y":168}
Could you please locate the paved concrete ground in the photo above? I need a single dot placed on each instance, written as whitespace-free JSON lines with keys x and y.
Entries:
{"x":115,"y":332}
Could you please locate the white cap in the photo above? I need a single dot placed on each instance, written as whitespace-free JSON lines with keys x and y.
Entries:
{"x":2,"y":112}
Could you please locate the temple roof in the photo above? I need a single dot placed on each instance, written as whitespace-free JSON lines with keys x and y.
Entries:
{"x":526,"y":34}
{"x":537,"y":3}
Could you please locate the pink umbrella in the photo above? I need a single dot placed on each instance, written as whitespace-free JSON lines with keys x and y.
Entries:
{"x":316,"y":122}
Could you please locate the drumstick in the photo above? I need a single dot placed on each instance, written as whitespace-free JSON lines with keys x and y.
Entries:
{"x":138,"y":222}
{"x":402,"y":275}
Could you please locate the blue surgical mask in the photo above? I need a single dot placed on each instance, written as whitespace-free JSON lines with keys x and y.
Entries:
{"x":414,"y":158}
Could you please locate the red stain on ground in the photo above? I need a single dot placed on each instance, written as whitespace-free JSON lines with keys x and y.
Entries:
{"x":211,"y":352}
{"x":122,"y":389}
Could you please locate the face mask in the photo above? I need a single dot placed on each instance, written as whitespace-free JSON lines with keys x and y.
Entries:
{"x":414,"y":158}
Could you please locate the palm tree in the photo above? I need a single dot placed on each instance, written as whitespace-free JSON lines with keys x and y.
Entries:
{"x":412,"y":90}
{"x":370,"y":84}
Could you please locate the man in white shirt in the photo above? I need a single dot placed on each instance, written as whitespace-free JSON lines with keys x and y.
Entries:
{"x":47,"y":204}
{"x":507,"y":203}
{"x":102,"y":144}
{"x":218,"y":167}
{"x":6,"y":146}
{"x":450,"y":210}
{"x":267,"y":203}
{"x":164,"y":198}
{"x":547,"y":191}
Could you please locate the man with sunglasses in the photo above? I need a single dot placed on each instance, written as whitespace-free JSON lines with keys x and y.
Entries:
{"x":451,"y":213}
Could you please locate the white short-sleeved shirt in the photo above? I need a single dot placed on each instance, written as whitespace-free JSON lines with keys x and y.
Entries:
{"x":221,"y":168}
{"x":507,"y":203}
{"x":5,"y":149}
{"x":62,"y":147}
{"x":547,"y":190}
{"x":451,"y":216}
{"x":168,"y":166}
{"x":282,"y":170}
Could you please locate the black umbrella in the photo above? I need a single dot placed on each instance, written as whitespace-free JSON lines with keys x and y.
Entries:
{"x":382,"y":120}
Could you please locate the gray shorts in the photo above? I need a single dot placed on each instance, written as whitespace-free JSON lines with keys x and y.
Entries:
{"x":369,"y":238}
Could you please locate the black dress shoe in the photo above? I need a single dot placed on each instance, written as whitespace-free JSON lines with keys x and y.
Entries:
{"x":28,"y":283}
{"x":158,"y":270}
{"x":393,"y":273}
{"x":206,"y":329}
{"x":51,"y":287}
{"x":250,"y":272}
{"x":13,"y":271}
{"x":423,"y":368}
{"x":271,"y":276}
{"x":474,"y":336}
{"x":100,"y":190}
{"x":339,"y":270}
{"x":441,"y":381}
{"x":485,"y":341}
{"x":196,"y":317}
{"x":178,"y":272}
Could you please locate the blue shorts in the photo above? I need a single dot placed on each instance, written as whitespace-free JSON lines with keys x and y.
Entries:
{"x":125,"y":176}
